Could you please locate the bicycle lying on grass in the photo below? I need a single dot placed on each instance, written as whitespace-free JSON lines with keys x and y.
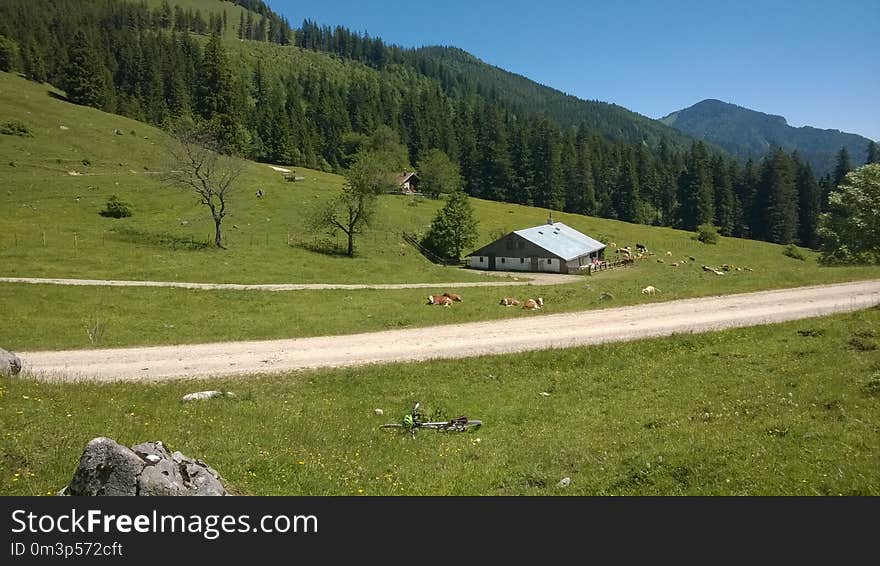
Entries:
{"x":416,"y":420}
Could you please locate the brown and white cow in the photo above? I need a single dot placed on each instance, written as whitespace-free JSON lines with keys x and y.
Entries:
{"x":533,"y":304}
{"x":440,"y":300}
{"x":453,"y":296}
{"x":509,"y":302}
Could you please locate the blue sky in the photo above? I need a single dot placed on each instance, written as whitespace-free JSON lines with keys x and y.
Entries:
{"x":816,"y":63}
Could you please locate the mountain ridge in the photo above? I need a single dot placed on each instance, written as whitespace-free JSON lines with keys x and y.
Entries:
{"x":748,"y":133}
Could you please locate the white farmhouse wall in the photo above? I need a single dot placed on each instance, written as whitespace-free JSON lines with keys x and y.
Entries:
{"x":513,"y":264}
{"x":479,"y":262}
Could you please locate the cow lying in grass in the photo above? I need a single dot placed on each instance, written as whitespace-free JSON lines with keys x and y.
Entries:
{"x":650,"y":290}
{"x":440,"y":300}
{"x":533,"y":304}
{"x":453,"y":296}
{"x":509,"y":302}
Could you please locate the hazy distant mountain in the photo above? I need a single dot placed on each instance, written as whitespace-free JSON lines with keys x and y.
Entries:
{"x":748,"y":133}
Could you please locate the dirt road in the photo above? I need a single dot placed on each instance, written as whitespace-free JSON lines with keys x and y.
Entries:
{"x":453,"y":341}
{"x":511,"y":279}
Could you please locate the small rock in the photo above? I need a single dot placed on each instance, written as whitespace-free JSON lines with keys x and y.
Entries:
{"x":10,"y":364}
{"x":63,"y":128}
{"x":378,"y":412}
{"x":200,"y":395}
{"x":564,"y":482}
{"x":544,"y":394}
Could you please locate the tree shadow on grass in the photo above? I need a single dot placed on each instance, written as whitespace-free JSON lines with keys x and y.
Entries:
{"x":323,"y":247}
{"x":58,"y":96}
{"x":160,"y":239}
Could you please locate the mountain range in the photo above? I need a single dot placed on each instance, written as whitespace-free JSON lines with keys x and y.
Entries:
{"x":747,"y":133}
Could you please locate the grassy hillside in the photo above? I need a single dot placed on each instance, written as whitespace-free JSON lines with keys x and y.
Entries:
{"x":57,"y":197}
{"x":791,"y":409}
{"x":49,"y":233}
{"x":233,"y":11}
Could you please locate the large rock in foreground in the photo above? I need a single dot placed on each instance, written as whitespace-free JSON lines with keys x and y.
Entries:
{"x":108,"y":468}
{"x":10,"y":364}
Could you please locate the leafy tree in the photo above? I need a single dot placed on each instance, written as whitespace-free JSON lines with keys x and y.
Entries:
{"x":453,"y":229}
{"x":850,"y":230}
{"x":353,"y":210}
{"x":438,"y":174}
{"x":707,"y":233}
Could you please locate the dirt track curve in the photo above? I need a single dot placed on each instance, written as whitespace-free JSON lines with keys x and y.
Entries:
{"x":453,"y":341}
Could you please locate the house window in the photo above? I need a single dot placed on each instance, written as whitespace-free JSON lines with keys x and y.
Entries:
{"x":522,"y":260}
{"x":502,"y":260}
{"x":481,"y":259}
{"x":549,"y":261}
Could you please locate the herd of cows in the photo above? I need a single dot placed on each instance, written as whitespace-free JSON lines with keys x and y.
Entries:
{"x":446,"y":300}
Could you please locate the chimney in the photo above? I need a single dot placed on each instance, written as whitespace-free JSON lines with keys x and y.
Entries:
{"x":550,"y":218}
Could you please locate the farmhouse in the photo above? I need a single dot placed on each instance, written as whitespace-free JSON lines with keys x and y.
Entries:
{"x":408,"y":182}
{"x":552,"y":247}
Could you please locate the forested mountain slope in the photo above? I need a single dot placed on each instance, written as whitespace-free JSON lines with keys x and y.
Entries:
{"x":748,"y":133}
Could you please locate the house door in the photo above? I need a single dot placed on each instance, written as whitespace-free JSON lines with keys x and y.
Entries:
{"x":491,"y":262}
{"x":534,"y":263}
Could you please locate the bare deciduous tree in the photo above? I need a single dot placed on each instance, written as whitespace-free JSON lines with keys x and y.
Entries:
{"x":199,"y":166}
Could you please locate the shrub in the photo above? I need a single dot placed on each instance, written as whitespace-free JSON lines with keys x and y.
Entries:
{"x":15,"y":128}
{"x":707,"y":233}
{"x":793,"y":252}
{"x":116,"y":208}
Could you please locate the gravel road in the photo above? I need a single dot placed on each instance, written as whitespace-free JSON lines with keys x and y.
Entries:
{"x":453,"y":341}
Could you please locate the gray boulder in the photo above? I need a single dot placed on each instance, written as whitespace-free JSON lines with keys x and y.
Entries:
{"x":10,"y":364}
{"x":106,"y":468}
{"x":147,"y":469}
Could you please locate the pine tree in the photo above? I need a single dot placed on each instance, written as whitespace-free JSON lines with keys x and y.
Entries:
{"x":33,"y":64}
{"x":843,"y":166}
{"x":776,"y":201}
{"x":809,"y":195}
{"x":8,"y":54}
{"x":85,"y":78}
{"x":627,"y":195}
{"x":696,"y":194}
{"x":249,"y":26}
{"x":725,"y":204}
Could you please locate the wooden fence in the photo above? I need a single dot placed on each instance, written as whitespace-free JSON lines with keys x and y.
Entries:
{"x":606,"y":265}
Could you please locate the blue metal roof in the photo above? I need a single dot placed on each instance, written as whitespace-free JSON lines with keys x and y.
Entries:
{"x":561,"y":240}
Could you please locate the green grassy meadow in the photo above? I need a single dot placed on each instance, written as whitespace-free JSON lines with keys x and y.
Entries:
{"x":789,"y":409}
{"x":51,"y":228}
